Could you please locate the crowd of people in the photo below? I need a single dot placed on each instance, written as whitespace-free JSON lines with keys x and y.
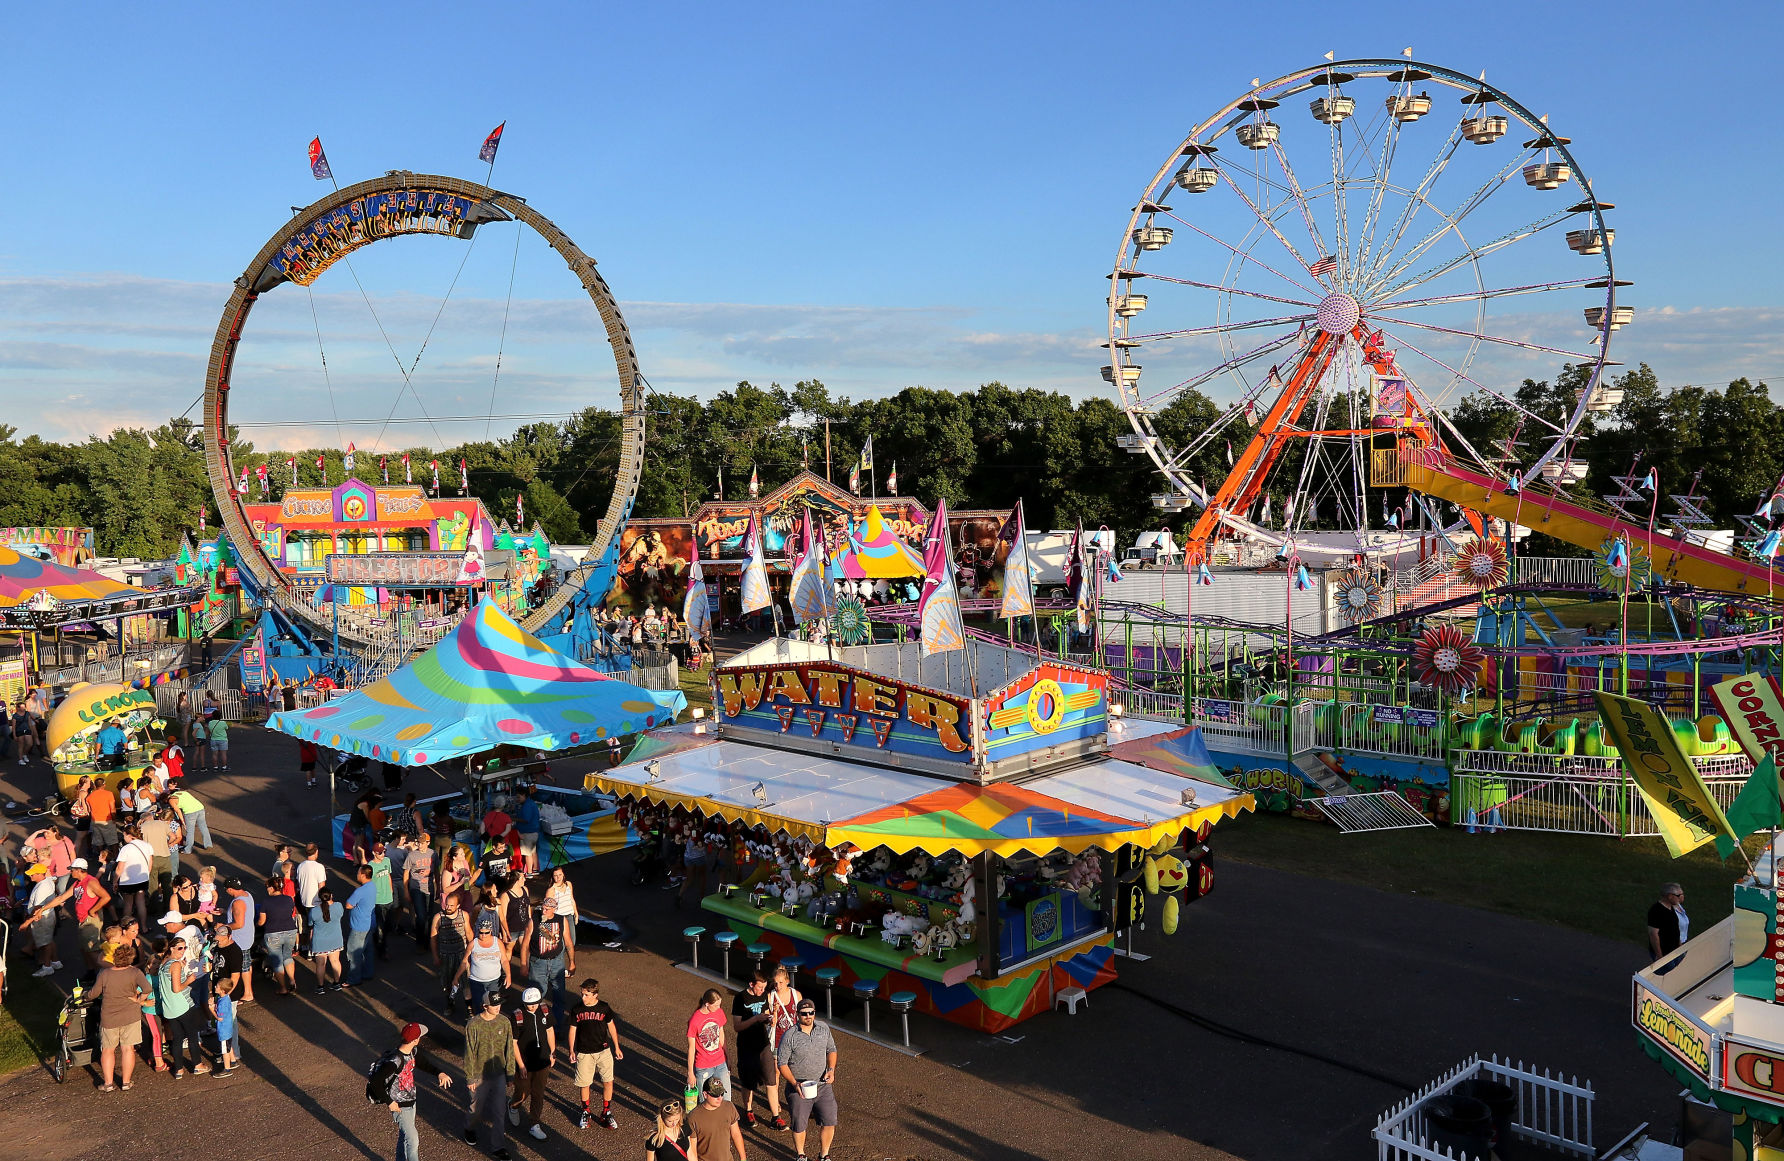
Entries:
{"x":169,"y":954}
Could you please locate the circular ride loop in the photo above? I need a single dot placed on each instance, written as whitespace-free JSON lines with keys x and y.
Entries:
{"x":345,"y":220}
{"x":1353,"y":248}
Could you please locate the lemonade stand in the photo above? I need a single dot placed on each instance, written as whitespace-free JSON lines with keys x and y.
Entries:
{"x":73,"y":733}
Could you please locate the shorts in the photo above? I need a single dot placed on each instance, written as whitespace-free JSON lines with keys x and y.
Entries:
{"x":529,"y":842}
{"x":307,"y":767}
{"x":593,"y":1066}
{"x":821,"y":1108}
{"x":279,"y":948}
{"x":129,"y":1036}
{"x":757,"y":1073}
{"x":43,"y":932}
{"x":219,"y":745}
{"x":105,"y":833}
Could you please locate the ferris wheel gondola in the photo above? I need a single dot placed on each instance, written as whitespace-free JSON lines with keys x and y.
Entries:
{"x":1347,"y":270}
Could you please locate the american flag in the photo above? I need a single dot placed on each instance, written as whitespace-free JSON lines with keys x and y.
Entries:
{"x":1323,"y":267}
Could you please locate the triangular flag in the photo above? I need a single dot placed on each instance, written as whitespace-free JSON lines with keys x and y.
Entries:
{"x":892,"y":480}
{"x":1018,"y":582}
{"x":755,"y":483}
{"x":756,"y":595}
{"x":812,"y":597}
{"x":1755,"y":808}
{"x":694,"y":608}
{"x":938,"y":610}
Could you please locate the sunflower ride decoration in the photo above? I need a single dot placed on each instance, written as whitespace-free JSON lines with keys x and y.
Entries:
{"x":852,"y":625}
{"x":1619,"y":564}
{"x":1359,"y":596}
{"x":1481,"y":563}
{"x":1447,"y":659}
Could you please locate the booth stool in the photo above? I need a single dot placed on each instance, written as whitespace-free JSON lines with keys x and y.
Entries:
{"x":1071,"y":998}
{"x":901,"y":1003}
{"x":865,"y":990}
{"x":692,"y":935}
{"x":828,"y":977}
{"x":725,"y":939}
{"x":793,"y":963}
{"x":759,"y":951}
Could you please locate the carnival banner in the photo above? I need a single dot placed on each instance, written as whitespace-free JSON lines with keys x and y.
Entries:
{"x":755,"y":573}
{"x":1018,"y":586}
{"x":1683,"y":808}
{"x":1754,"y":710}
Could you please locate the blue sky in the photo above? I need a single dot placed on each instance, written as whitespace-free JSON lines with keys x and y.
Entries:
{"x":872,"y":195}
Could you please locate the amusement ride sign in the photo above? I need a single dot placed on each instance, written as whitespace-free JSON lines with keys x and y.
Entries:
{"x":850,"y":707}
{"x":395,"y":569}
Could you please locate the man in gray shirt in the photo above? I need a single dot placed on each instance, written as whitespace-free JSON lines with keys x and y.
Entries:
{"x":807,"y":1059}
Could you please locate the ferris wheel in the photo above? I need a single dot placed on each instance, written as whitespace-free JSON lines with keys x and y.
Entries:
{"x":1343,"y":254}
{"x":402,"y":203}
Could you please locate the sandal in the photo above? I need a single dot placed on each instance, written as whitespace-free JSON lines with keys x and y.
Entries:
{"x":125,"y":1087}
{"x":108,"y":1088}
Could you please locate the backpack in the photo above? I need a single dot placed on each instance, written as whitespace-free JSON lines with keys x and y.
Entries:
{"x":380,"y":1078}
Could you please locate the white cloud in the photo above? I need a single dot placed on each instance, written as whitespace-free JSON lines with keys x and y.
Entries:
{"x":85,"y":354}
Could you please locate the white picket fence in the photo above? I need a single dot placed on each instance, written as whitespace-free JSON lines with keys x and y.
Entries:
{"x":1552,"y":1110}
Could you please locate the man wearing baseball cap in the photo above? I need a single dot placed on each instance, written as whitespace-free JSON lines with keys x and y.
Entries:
{"x":807,"y":1058}
{"x":392,"y":1082}
{"x":40,"y":919}
{"x":492,"y":1057}
{"x":537,"y":1039}
{"x":714,"y":1125}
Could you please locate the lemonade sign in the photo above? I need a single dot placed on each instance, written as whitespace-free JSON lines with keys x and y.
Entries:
{"x":1673,"y":1031}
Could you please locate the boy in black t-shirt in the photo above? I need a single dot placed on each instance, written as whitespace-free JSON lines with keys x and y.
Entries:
{"x":756,"y":1068}
{"x":594,"y":1046}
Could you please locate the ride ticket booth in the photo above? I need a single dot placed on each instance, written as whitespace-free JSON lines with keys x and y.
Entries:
{"x":953,"y":826}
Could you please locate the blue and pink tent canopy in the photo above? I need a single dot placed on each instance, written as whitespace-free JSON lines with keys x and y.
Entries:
{"x":488,"y":683}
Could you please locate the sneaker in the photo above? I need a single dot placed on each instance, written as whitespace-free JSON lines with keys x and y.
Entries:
{"x":56,"y":964}
{"x":537,"y":1131}
{"x":45,"y":970}
{"x":224,"y":1071}
{"x":501,"y":1155}
{"x":582,"y":1122}
{"x":608,"y":1121}
{"x":470,"y":1136}
{"x":749,"y":1117}
{"x":780,"y":1124}
{"x":514,"y":1117}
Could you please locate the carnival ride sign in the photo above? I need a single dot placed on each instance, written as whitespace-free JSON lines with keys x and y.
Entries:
{"x":394,"y":569}
{"x":327,"y":238}
{"x":846,"y":706}
{"x":1675,"y":1033}
{"x":1050,"y":705}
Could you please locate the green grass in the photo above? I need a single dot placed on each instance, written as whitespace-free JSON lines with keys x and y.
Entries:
{"x":1599,"y":885}
{"x":694,"y":685}
{"x":28,"y":1019}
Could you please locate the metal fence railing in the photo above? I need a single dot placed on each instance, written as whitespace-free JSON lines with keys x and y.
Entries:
{"x":1549,"y":1110}
{"x":1237,"y":725}
{"x":1359,"y":729}
{"x":1543,"y":792}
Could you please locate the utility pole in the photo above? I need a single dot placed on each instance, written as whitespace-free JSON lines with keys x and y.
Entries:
{"x":827,"y":449}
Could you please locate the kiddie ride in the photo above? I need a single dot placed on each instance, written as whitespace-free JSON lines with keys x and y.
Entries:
{"x":952,"y":834}
{"x":72,"y":735}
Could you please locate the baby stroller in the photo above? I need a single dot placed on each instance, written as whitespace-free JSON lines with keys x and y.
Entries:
{"x":350,"y":775}
{"x":77,"y":1035}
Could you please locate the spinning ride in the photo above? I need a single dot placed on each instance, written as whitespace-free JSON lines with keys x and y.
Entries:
{"x":1345,"y":255}
{"x":401,"y":203}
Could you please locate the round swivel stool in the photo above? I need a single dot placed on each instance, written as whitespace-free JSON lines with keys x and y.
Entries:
{"x":865,"y":990}
{"x":725,"y":939}
{"x":692,"y":935}
{"x":793,"y":963}
{"x":759,"y":951}
{"x":901,"y":1003}
{"x":828,"y":977}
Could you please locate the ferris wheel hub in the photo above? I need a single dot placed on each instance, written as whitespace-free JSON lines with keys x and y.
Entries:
{"x":1338,"y":313}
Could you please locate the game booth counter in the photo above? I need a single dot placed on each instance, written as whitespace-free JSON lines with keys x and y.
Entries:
{"x":951,"y":827}
{"x":72,"y":734}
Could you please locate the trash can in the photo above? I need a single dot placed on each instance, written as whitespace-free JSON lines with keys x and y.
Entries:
{"x":1502,"y":1101}
{"x":1461,"y":1124}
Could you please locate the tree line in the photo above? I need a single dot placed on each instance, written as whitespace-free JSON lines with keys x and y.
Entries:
{"x":142,"y":490}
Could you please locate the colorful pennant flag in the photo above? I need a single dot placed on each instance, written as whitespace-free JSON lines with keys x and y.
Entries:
{"x":938,"y":610}
{"x":348,"y":460}
{"x":1753,"y":707}
{"x":812,"y":597}
{"x":1651,"y":481}
{"x":319,"y":161}
{"x":520,"y":510}
{"x":291,"y":462}
{"x":407,"y":477}
{"x":260,"y":473}
{"x":755,"y":483}
{"x":892,"y":480}
{"x":464,"y":477}
{"x":492,"y":143}
{"x":1683,"y":807}
{"x":1755,"y":808}
{"x":756,"y":595}
{"x":867,"y":455}
{"x":694,"y":607}
{"x":855,"y":479}
{"x":1018,"y":586}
